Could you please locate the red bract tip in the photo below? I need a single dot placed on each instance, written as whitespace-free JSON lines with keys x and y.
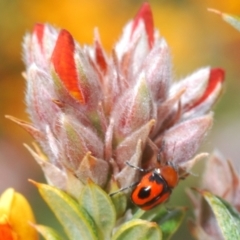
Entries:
{"x":216,"y":77}
{"x":145,"y":14}
{"x":100,"y":59}
{"x":38,"y":30}
{"x":64,"y":64}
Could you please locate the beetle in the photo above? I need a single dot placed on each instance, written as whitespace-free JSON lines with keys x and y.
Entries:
{"x":155,"y":186}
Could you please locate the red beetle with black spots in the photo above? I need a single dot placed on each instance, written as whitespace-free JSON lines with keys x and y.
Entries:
{"x":155,"y":187}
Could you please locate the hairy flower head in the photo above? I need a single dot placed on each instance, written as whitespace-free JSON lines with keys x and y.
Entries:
{"x":92,"y":111}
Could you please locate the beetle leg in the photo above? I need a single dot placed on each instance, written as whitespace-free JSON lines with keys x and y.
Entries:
{"x":123,"y":189}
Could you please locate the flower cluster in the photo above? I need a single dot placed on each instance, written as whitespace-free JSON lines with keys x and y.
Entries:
{"x":92,"y":111}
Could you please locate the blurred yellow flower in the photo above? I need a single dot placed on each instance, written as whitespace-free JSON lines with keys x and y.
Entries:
{"x":15,"y":216}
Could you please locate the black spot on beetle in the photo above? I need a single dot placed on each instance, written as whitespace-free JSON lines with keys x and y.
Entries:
{"x":144,"y":192}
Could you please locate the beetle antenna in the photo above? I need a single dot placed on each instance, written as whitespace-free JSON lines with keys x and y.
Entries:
{"x":136,"y":167}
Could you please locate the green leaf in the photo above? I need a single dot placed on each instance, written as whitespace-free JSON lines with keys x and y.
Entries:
{"x":138,"y":229}
{"x":231,"y":209}
{"x":227,"y":218}
{"x":99,"y":206}
{"x":231,"y":19}
{"x":169,"y":220}
{"x":120,"y":203}
{"x":75,"y":220}
{"x":119,"y":198}
{"x":47,"y":232}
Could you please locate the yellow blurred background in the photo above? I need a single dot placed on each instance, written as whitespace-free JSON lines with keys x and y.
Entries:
{"x":196,"y":37}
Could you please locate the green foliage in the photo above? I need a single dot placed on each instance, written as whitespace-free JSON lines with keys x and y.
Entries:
{"x":48,"y":233}
{"x":120,"y":203}
{"x":227,"y":217}
{"x":232,"y":20}
{"x":94,"y":216}
{"x":169,"y":220}
{"x":229,"y":18}
{"x":100,"y":207}
{"x":138,"y":229}
{"x":75,"y":220}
